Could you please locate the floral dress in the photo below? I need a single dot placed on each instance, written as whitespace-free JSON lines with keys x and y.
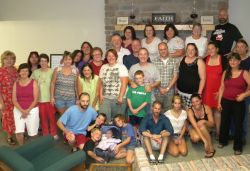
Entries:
{"x":8,"y":76}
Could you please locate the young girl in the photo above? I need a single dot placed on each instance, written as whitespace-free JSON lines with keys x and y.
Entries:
{"x":177,"y":117}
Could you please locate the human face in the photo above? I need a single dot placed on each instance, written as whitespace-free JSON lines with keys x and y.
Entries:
{"x":139,"y":79}
{"x":170,"y":33}
{"x":8,"y":61}
{"x":241,"y":49}
{"x":128,"y":34}
{"x":34,"y":59}
{"x":96,"y":135}
{"x":163,"y":50}
{"x":212,"y":50}
{"x":67,"y":61}
{"x":149,"y":32}
{"x":44,"y":63}
{"x":97,"y":56}
{"x":196,"y":31}
{"x":116,"y":42}
{"x":143,"y":56}
{"x":84,"y":102}
{"x":111,"y":58}
{"x":119,"y":122}
{"x":100,"y":120}
{"x":223,"y":16}
{"x":24,"y":73}
{"x":177,"y":104}
{"x":196,"y":103}
{"x":191,"y":51}
{"x":156,"y":110}
{"x":109,"y":134}
{"x":78,"y":57}
{"x":234,"y":63}
{"x":136,"y":46}
{"x":87,"y":72}
{"x":86,"y":49}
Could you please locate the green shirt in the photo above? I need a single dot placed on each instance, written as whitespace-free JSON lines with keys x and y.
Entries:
{"x":138,"y":96}
{"x":43,"y":79}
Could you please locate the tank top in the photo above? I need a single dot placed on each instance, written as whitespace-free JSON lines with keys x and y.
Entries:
{"x":234,"y":87}
{"x":24,"y":94}
{"x":202,"y":118}
{"x":189,"y":80}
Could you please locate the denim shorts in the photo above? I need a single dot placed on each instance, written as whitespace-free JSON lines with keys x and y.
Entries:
{"x":131,"y":146}
{"x":60,"y":103}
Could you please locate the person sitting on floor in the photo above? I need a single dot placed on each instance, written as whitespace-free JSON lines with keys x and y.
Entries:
{"x":156,"y":130}
{"x":100,"y":120}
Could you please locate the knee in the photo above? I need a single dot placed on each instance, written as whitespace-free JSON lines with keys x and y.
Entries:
{"x":130,"y":160}
{"x":81,"y":146}
{"x":195,"y":138}
{"x":175,"y":153}
{"x":183,"y":152}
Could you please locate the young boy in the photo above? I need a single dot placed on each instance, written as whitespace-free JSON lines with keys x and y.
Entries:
{"x":90,"y":145}
{"x":97,"y":123}
{"x":137,"y":99}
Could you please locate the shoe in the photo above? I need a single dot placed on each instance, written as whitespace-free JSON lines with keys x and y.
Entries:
{"x":11,"y":141}
{"x":56,"y":137}
{"x":74,"y":149}
{"x":153,"y":161}
{"x":220,"y":146}
{"x":160,"y":161}
{"x":237,"y":152}
{"x":210,"y":155}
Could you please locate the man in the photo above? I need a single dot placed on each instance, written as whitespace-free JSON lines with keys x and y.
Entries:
{"x":75,"y":120}
{"x":225,"y":33}
{"x":116,"y":41}
{"x":168,"y":69}
{"x":156,"y":130}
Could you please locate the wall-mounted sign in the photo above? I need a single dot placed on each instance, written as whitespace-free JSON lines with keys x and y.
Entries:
{"x":163,"y":18}
{"x":207,"y":19}
{"x":122,"y":20}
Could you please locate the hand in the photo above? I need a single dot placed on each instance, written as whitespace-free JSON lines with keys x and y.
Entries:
{"x":70,"y":136}
{"x":240,"y":97}
{"x":162,"y":91}
{"x":101,"y":100}
{"x":117,"y":149}
{"x":2,"y":106}
{"x":99,"y":159}
{"x":177,"y":141}
{"x":133,"y":85}
{"x":219,"y":107}
{"x":134,"y":111}
{"x":148,"y":88}
{"x":52,"y":101}
{"x":77,"y":102}
{"x":119,"y":100}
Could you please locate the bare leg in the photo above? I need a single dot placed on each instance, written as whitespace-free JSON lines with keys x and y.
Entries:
{"x":182,"y":147}
{"x":207,"y":136}
{"x":20,"y":138}
{"x":173,"y":149}
{"x":130,"y":156}
{"x":194,"y":136}
{"x":217,"y":119}
{"x":164,"y":145}
{"x":147,"y":143}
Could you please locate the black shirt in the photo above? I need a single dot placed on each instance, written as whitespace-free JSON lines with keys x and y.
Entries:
{"x":89,"y":146}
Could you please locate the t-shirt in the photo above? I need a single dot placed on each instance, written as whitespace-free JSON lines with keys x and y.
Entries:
{"x":152,"y":47}
{"x":225,"y":35}
{"x":129,"y":60}
{"x":43,"y":79}
{"x":89,"y":146}
{"x":201,"y":44}
{"x":111,"y":79}
{"x":76,"y":120}
{"x":177,"y":123}
{"x":245,"y":63}
{"x":128,"y":131}
{"x":121,"y":53}
{"x":138,"y":96}
{"x":176,"y":43}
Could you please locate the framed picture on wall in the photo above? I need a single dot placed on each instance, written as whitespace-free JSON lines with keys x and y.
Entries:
{"x":55,"y":60}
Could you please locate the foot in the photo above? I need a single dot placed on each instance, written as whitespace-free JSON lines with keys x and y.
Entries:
{"x":56,"y":137}
{"x":237,"y":152}
{"x":11,"y":141}
{"x":160,"y":158}
{"x":220,"y":146}
{"x":210,"y":154}
{"x":152,"y":158}
{"x":74,"y":149}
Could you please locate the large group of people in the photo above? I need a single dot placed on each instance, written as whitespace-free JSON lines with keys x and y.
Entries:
{"x":153,"y":91}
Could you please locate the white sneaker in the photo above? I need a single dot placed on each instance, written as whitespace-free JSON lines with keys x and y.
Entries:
{"x":56,"y":137}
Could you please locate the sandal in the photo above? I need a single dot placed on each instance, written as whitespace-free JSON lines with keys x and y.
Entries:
{"x":210,"y":155}
{"x":10,"y":141}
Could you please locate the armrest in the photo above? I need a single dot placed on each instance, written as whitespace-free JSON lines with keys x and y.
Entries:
{"x":68,"y":162}
{"x":14,"y":160}
{"x":38,"y":146}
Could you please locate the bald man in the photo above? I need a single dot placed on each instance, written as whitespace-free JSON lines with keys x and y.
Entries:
{"x":225,"y":33}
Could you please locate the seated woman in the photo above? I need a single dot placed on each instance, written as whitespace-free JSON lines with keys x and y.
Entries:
{"x":201,"y":119}
{"x":177,"y":117}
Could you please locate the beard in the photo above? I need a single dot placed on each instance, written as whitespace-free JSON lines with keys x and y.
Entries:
{"x":84,"y":106}
{"x":223,"y":20}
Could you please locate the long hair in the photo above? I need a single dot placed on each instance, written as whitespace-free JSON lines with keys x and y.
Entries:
{"x":228,"y":73}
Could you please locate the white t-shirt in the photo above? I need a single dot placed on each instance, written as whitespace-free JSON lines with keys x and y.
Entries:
{"x":152,"y":47}
{"x":177,"y":123}
{"x":174,"y":44}
{"x":121,"y":53}
{"x":111,"y":79}
{"x":201,"y":44}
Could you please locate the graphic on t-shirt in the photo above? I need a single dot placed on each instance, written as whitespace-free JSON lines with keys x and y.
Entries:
{"x":219,"y":34}
{"x":111,"y":82}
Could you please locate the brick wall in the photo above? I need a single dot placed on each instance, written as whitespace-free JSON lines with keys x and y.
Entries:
{"x":143,"y":10}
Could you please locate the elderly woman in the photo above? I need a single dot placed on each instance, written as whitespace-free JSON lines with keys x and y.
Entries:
{"x":97,"y":61}
{"x":25,"y":97}
{"x":113,"y":84}
{"x":8,"y":76}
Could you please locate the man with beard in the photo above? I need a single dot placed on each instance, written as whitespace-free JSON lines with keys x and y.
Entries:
{"x":225,"y":33}
{"x":75,"y":120}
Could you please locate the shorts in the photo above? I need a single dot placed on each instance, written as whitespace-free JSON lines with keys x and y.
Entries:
{"x":61,"y":104}
{"x":155,"y":145}
{"x":79,"y":138}
{"x":31,"y":122}
{"x":131,"y":146}
{"x":135,"y":120}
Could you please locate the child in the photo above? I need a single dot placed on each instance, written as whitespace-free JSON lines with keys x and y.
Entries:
{"x":128,"y":140}
{"x":106,"y":146}
{"x":137,"y":99}
{"x":90,"y":145}
{"x":100,"y":120}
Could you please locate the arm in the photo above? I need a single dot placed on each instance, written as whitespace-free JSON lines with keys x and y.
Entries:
{"x":242,"y":96}
{"x":101,"y":98}
{"x":94,"y":156}
{"x":96,"y":99}
{"x":124,"y":83}
{"x":90,"y":127}
{"x":35,"y":96}
{"x":62,"y":127}
{"x":183,"y":130}
{"x":2,"y":106}
{"x":14,"y":100}
{"x":76,"y":87}
{"x":52,"y":86}
{"x":177,"y":53}
{"x":80,"y":87}
{"x":221,"y":91}
{"x":210,"y":122}
{"x":202,"y":75}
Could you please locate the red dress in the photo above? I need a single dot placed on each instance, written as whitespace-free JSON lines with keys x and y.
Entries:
{"x":213,"y":80}
{"x":8,"y":76}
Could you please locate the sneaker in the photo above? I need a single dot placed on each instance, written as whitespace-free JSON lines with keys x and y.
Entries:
{"x":153,"y":161}
{"x":160,"y":161}
{"x":56,"y":137}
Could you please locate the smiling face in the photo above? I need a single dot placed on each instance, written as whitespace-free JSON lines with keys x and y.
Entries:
{"x":67,"y":61}
{"x":177,"y":104}
{"x":116,"y":41}
{"x":149,"y":32}
{"x":111,"y":58}
{"x":241,"y":49}
{"x":170,"y":33}
{"x":156,"y":109}
{"x":87,"y":72}
{"x":44,"y":63}
{"x":234,"y":63}
{"x":97,"y":56}
{"x":212,"y":50}
{"x":143,"y":56}
{"x":163,"y":50}
{"x":24,"y":73}
{"x":9,"y":61}
{"x":96,"y":135}
{"x":136,"y":46}
{"x":128,"y":34}
{"x":100,"y":120}
{"x":34,"y":59}
{"x":191,"y":51}
{"x":78,"y":57}
{"x":196,"y":31}
{"x":119,"y":122}
{"x":86,"y":49}
{"x":196,"y":103}
{"x":84,"y":102}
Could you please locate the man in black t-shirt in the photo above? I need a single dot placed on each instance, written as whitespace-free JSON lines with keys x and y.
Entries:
{"x":225,"y":33}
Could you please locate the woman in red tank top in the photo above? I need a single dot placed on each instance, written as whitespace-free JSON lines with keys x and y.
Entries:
{"x":234,"y":89}
{"x":25,"y":98}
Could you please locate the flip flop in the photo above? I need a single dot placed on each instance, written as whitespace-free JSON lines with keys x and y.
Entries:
{"x":210,"y":155}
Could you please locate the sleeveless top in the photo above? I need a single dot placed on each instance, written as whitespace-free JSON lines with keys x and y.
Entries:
{"x":234,"y":87}
{"x":189,"y":80}
{"x":65,"y":85}
{"x":24,"y":94}
{"x":203,"y":118}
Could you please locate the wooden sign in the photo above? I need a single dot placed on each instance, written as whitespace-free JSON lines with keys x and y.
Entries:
{"x":163,"y":18}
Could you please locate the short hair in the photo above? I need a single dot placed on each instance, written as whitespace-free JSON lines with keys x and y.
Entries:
{"x":213,"y":43}
{"x":144,"y":49}
{"x":116,"y":34}
{"x":6,"y":54}
{"x":44,"y":56}
{"x":243,"y":42}
{"x":139,"y":72}
{"x":120,"y":116}
{"x":149,"y":25}
{"x":113,"y":51}
{"x":103,"y":115}
{"x":195,"y":95}
{"x":157,"y":103}
{"x":23,"y":66}
{"x":167,"y":27}
{"x":163,"y":43}
{"x":195,"y":47}
{"x":197,"y":25}
{"x":67,"y":54}
{"x":95,"y":129}
{"x":137,"y":39}
{"x":96,"y":49}
{"x":84,"y":94}
{"x":132,"y":32}
{"x":90,"y":67}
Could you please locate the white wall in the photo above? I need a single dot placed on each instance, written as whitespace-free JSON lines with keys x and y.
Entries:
{"x":239,"y":14}
{"x":50,"y":26}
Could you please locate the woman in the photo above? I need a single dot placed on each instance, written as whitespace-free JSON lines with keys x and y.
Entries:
{"x":215,"y":65}
{"x":63,"y":88}
{"x":8,"y":76}
{"x":128,"y":37}
{"x":47,"y":111}
{"x":150,"y":42}
{"x":97,"y":61}
{"x":33,"y":61}
{"x":25,"y":97}
{"x":175,"y":43}
{"x":199,"y":40}
{"x":88,"y":82}
{"x":86,"y":49}
{"x":201,"y":118}
{"x":234,"y":89}
{"x":177,"y":117}
{"x":113,"y":84}
{"x":192,"y":75}
{"x":77,"y":57}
